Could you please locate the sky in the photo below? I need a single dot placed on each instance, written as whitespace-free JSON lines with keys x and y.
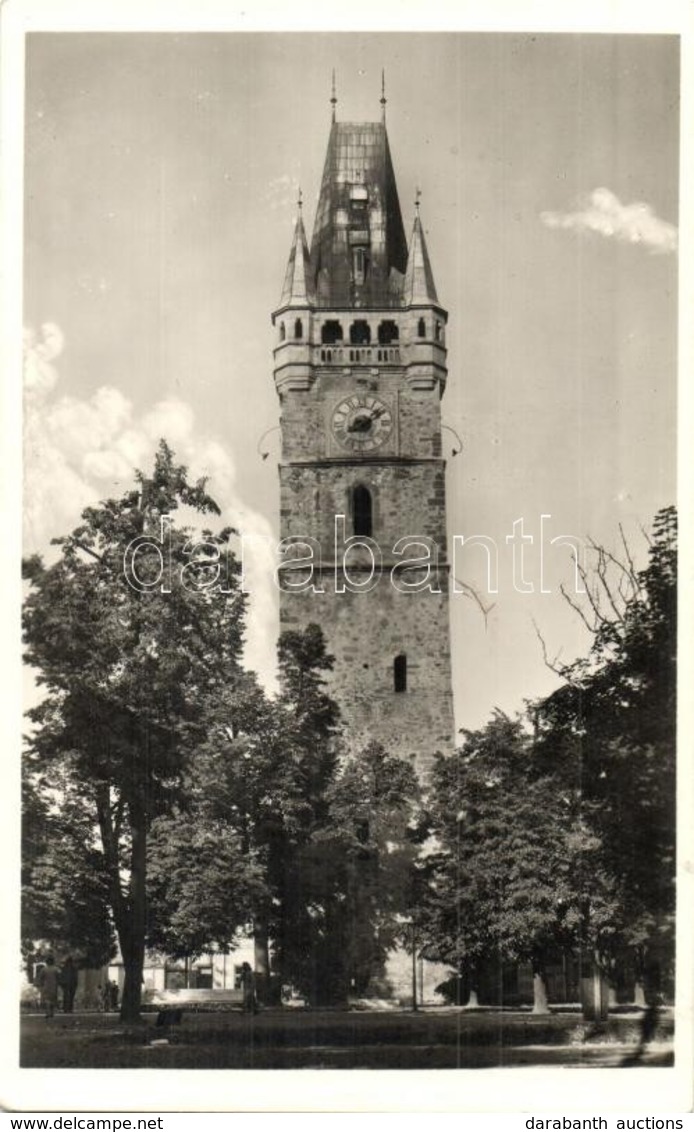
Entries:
{"x":161,"y":179}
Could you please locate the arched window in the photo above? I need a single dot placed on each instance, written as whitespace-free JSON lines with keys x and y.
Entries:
{"x":387,"y":332}
{"x":298,"y":329}
{"x":282,"y":332}
{"x":360,"y":333}
{"x":362,"y":511}
{"x":421,"y":328}
{"x":400,"y":673}
{"x":331,"y":332}
{"x":438,"y":330}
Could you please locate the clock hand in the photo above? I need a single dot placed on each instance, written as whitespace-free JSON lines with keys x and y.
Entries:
{"x":362,"y":422}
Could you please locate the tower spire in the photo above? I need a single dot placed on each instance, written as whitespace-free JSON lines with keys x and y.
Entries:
{"x":333,"y":98}
{"x":383,"y":94}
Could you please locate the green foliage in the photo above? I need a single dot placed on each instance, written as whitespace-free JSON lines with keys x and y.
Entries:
{"x":227,"y":857}
{"x":207,"y":859}
{"x":353,"y":879}
{"x":128,"y":675}
{"x":515,"y":870}
{"x":64,"y":884}
{"x":560,"y":832}
{"x":609,"y":734}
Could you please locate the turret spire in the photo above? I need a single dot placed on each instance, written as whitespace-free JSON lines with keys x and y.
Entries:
{"x":419,"y":286}
{"x":297,"y":280}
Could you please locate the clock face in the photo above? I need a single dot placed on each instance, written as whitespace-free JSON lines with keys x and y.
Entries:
{"x":362,"y":423}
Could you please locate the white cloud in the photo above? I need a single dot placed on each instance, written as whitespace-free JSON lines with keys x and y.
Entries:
{"x":77,"y":451}
{"x":39,"y":352}
{"x":603,"y":212}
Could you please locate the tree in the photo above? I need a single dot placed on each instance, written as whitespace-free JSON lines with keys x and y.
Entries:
{"x":609,"y":732}
{"x":206,"y":869}
{"x":516,"y":871}
{"x":305,"y":752}
{"x":64,"y":884}
{"x":131,"y":632}
{"x":352,"y":880}
{"x":226,"y":856}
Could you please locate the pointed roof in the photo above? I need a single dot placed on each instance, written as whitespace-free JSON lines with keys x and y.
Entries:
{"x":419,"y":286}
{"x":297,"y":280}
{"x":358,"y":206}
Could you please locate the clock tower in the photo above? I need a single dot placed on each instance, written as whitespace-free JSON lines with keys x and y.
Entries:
{"x":360,"y":369}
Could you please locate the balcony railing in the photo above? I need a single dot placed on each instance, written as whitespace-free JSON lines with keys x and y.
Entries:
{"x":358,"y":355}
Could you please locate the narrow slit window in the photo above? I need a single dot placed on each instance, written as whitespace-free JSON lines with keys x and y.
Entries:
{"x":421,"y":328}
{"x":400,"y":673}
{"x":298,"y":329}
{"x":362,"y":511}
{"x":281,"y":332}
{"x":359,"y":265}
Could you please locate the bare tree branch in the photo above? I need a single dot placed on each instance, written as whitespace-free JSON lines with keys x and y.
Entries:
{"x":470,"y":591}
{"x":625,"y":544}
{"x":553,"y":665}
{"x":602,"y":575}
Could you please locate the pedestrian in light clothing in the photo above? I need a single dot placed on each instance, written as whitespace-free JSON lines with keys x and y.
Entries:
{"x":48,"y":985}
{"x":68,"y":981}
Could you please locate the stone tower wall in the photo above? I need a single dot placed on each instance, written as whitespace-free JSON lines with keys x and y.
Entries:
{"x":365,"y":633}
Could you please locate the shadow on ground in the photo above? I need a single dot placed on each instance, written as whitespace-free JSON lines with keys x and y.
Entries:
{"x":332,"y":1040}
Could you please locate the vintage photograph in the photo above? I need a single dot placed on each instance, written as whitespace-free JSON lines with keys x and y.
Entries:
{"x":349,"y":550}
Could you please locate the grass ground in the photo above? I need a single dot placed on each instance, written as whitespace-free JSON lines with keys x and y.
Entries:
{"x":342,"y":1040}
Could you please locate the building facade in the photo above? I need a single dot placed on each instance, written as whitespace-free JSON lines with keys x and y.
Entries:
{"x":360,"y":369}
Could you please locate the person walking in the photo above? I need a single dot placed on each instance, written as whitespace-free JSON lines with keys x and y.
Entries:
{"x":68,"y":981}
{"x":48,"y":984}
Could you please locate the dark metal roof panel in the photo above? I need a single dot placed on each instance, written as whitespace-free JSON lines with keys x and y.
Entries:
{"x":358,"y":158}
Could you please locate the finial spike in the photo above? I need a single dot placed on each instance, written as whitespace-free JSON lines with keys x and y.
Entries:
{"x":417,"y":195}
{"x":333,"y":99}
{"x":383,"y":93}
{"x":300,"y":200}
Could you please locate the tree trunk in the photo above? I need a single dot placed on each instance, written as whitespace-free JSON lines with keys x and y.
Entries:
{"x":128,"y":914}
{"x":134,"y":951}
{"x":261,"y":956}
{"x":540,"y":1001}
{"x":473,"y":997}
{"x":640,"y":988}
